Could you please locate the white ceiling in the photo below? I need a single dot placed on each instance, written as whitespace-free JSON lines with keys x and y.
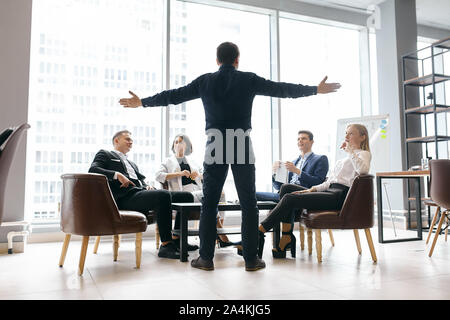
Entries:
{"x":433,"y":13}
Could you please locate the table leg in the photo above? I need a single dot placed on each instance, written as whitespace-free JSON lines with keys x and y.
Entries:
{"x":183,"y":234}
{"x":380,"y":210}
{"x":418,"y":209}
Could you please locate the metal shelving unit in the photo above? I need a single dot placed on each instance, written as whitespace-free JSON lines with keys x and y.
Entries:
{"x":426,"y":109}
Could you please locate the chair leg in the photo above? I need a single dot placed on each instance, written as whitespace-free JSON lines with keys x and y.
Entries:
{"x":302,"y":237}
{"x":446,"y":230}
{"x":157,"y":237}
{"x":370,"y":243}
{"x":438,"y":231}
{"x":64,"y":249}
{"x":116,"y":246}
{"x":433,"y":222}
{"x":319,"y":244}
{"x":138,"y":249}
{"x":358,"y":242}
{"x":84,"y":247}
{"x":309,"y":235}
{"x":97,"y":242}
{"x":330,"y":233}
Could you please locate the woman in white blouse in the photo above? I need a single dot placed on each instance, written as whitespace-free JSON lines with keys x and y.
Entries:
{"x":329,"y":195}
{"x":182,"y":174}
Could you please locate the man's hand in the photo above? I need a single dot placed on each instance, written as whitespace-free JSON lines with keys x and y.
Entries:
{"x":290,"y":166}
{"x":275,"y":166}
{"x":150,"y":188}
{"x":132,"y":102}
{"x":324,"y":87}
{"x":124,"y":180}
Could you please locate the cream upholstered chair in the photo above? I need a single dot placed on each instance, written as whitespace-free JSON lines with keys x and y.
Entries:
{"x":9,"y":141}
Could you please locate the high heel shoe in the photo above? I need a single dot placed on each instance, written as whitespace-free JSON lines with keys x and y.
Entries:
{"x":278,"y":253}
{"x":224,"y":244}
{"x":261,"y":241}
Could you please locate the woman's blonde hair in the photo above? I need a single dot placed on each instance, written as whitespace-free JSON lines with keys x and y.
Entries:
{"x":362,"y":132}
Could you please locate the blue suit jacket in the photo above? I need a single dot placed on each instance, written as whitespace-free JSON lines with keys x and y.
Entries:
{"x":313,"y":173}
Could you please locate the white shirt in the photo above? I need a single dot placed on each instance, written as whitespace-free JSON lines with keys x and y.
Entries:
{"x":128,"y":166}
{"x":299,"y":166}
{"x":345,"y":171}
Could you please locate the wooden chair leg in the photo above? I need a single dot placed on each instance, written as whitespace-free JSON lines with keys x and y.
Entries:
{"x":116,"y":246}
{"x":371,"y":247}
{"x":138,"y":249}
{"x":330,"y":233}
{"x":97,"y":242}
{"x":157,"y":237}
{"x":446,"y":230}
{"x":64,"y":249}
{"x":438,"y":231}
{"x":433,"y":222}
{"x":309,"y":235}
{"x":84,"y":247}
{"x":302,"y":237}
{"x":319,"y":244}
{"x":358,"y":242}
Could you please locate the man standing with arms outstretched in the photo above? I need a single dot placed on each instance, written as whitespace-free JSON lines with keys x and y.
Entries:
{"x":227,"y":97}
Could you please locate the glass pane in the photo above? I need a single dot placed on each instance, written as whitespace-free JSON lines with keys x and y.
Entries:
{"x":316,"y":52}
{"x":193,"y":53}
{"x":82,"y":56}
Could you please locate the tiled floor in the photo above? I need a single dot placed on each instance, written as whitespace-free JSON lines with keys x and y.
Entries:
{"x":403,"y":271}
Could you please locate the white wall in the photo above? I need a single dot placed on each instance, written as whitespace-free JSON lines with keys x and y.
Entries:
{"x":15,"y":34}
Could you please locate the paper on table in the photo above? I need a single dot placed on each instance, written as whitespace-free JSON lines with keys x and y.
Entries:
{"x":281,"y":175}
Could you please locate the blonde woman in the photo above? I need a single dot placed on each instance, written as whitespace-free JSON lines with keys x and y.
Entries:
{"x":182,"y":174}
{"x":329,"y":195}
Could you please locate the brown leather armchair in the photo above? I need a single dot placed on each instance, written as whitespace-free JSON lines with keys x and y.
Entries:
{"x":439,"y":193}
{"x":88,"y":209}
{"x":9,"y":141}
{"x":356,"y":213}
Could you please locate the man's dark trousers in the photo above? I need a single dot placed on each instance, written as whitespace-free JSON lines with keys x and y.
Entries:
{"x":214,"y":177}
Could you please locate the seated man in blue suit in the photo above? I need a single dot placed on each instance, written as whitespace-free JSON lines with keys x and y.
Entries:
{"x":308,"y":170}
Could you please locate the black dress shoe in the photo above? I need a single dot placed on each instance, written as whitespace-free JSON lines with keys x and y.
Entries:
{"x":203,"y":264}
{"x":255,"y":264}
{"x":169,"y":251}
{"x":190,"y":247}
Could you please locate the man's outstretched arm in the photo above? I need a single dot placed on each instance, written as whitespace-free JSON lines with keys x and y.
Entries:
{"x":291,"y":90}
{"x":164,"y":98}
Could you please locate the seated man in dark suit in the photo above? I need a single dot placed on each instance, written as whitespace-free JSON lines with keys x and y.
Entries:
{"x":132,"y":193}
{"x":308,"y":170}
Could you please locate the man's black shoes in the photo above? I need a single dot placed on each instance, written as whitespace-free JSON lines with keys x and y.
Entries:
{"x":169,"y":251}
{"x":255,"y":264}
{"x":203,"y":264}
{"x":190,"y":247}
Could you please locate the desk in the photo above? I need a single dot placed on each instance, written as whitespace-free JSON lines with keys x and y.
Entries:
{"x":416,"y":175}
{"x":184,"y":210}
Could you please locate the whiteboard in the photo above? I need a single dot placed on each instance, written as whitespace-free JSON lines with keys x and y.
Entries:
{"x":379,"y":140}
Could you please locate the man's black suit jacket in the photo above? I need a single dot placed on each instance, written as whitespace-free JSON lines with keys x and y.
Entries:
{"x":108,"y":163}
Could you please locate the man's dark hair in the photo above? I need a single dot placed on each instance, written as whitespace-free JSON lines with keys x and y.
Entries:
{"x":309,"y":133}
{"x":227,"y":53}
{"x":119,"y":133}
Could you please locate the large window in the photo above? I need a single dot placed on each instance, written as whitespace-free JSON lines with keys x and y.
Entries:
{"x":85,"y":55}
{"x":308,"y":52}
{"x":193,"y":53}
